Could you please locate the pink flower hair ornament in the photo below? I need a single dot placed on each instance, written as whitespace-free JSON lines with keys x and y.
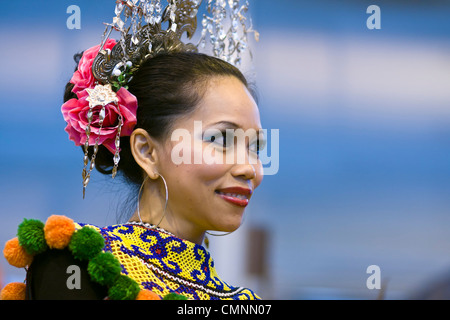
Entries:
{"x":75,"y":113}
{"x":99,"y":115}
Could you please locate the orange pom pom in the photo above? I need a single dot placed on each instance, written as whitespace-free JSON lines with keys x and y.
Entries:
{"x":16,"y":255}
{"x":13,"y":291}
{"x":147,"y":295}
{"x":58,"y":231}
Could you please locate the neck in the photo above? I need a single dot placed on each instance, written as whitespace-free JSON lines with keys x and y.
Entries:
{"x":151,"y":211}
{"x":178,"y":229}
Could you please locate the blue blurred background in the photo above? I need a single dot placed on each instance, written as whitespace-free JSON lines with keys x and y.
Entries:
{"x":364,"y":123}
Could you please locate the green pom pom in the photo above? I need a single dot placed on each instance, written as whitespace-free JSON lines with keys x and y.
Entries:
{"x":124,"y":288}
{"x":86,"y":243}
{"x":104,"y":268}
{"x":31,"y":236}
{"x":174,"y":296}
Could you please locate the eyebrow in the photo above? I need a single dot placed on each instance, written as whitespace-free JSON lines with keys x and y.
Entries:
{"x":226,"y":123}
{"x":229,"y":124}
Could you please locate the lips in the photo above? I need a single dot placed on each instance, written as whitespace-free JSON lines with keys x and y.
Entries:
{"x":235,"y":195}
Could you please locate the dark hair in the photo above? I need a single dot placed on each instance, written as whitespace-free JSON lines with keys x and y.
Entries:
{"x":167,"y":86}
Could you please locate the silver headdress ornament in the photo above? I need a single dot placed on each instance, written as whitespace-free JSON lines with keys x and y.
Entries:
{"x":225,"y":29}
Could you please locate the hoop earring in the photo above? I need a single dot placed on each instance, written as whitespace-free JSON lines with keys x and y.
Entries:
{"x":206,"y":239}
{"x":218,"y":234}
{"x":139,"y":200}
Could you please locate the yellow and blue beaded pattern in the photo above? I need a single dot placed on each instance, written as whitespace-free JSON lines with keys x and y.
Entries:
{"x":164,"y":264}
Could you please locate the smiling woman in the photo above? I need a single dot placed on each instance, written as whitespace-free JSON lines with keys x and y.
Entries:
{"x":123,"y":112}
{"x":217,"y":93}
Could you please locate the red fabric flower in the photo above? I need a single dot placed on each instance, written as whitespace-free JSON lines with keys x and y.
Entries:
{"x":75,"y":110}
{"x":83,"y":78}
{"x":75,"y":114}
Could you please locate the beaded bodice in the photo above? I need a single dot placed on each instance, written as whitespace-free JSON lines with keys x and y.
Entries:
{"x":160,"y":262}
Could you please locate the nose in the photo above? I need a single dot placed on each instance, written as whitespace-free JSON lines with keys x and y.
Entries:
{"x":246,"y":171}
{"x":247,"y":166}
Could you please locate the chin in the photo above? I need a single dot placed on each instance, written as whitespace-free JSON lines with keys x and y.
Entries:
{"x":230,"y":226}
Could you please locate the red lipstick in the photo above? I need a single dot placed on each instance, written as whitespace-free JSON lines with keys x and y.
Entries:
{"x":236,"y":195}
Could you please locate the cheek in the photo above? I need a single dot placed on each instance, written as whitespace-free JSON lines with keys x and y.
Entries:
{"x":195,"y":159}
{"x":195,"y":179}
{"x":184,"y":149}
{"x":191,"y":189}
{"x":205,"y":174}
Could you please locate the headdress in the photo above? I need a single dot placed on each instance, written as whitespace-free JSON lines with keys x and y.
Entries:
{"x":104,"y":109}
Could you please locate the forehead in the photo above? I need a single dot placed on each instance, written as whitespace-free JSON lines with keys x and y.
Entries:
{"x":227,"y":99}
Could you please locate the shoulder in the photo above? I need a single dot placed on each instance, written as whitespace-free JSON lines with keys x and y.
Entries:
{"x":57,"y":274}
{"x":65,"y":260}
{"x":56,"y":256}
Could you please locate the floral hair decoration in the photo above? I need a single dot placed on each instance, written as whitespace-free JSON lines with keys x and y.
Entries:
{"x":98,"y":115}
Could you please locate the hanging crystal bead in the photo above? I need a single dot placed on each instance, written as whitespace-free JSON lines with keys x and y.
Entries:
{"x":118,"y":9}
{"x":158,"y":7}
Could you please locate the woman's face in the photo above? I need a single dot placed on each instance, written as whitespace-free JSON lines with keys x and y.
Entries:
{"x":207,"y":155}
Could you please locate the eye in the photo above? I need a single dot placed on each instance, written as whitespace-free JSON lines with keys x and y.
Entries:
{"x":258,"y":145}
{"x":219,"y":138}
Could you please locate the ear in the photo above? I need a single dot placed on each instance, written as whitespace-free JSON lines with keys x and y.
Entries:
{"x":144,"y":149}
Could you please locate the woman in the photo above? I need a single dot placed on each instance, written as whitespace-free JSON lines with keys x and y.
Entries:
{"x":160,"y":247}
{"x":183,"y":128}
